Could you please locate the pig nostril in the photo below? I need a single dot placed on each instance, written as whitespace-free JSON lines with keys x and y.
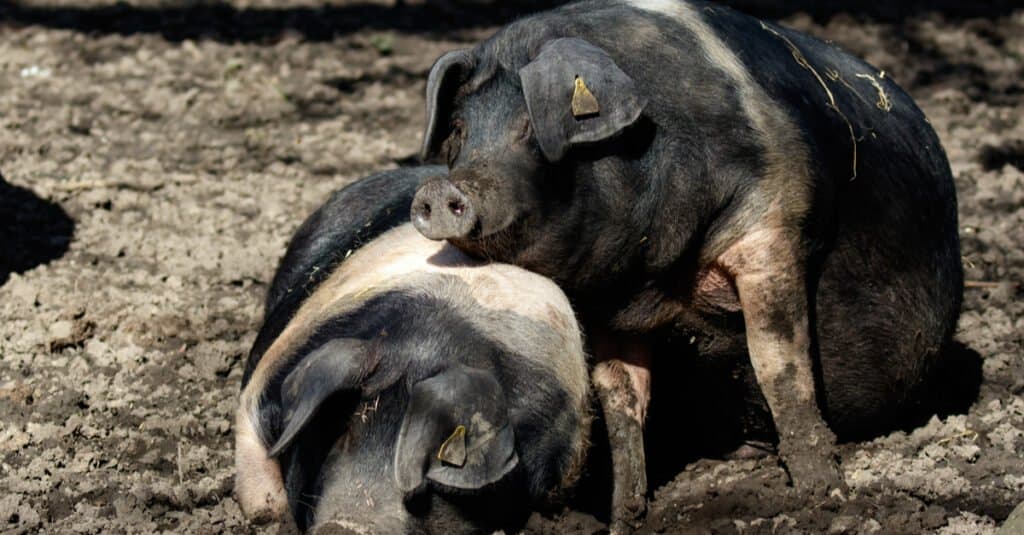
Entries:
{"x":425,"y":211}
{"x":456,"y":207}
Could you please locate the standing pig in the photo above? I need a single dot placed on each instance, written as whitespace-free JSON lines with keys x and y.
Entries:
{"x":400,"y":386}
{"x":680,"y":167}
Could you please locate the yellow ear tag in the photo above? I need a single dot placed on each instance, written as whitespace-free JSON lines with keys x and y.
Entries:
{"x":584,"y":104}
{"x":453,"y":449}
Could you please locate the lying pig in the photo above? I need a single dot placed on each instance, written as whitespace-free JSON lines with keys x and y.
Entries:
{"x":680,"y":167}
{"x":398,"y":385}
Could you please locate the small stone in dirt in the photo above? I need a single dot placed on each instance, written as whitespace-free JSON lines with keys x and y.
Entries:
{"x":61,"y":329}
{"x":22,"y":290}
{"x":80,"y":124}
{"x":843,"y":524}
{"x":68,"y":333}
{"x":384,"y":43}
{"x":17,"y":392}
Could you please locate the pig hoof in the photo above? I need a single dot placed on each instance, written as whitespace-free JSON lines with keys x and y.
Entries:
{"x":272,"y":508}
{"x":810,"y":460}
{"x":629,"y":517}
{"x":815,"y":475}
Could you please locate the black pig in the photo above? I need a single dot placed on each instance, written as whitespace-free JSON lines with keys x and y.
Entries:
{"x":680,"y":167}
{"x":399,"y":386}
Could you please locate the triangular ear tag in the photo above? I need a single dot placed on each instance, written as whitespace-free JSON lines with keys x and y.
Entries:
{"x":453,"y":449}
{"x":584,"y":103}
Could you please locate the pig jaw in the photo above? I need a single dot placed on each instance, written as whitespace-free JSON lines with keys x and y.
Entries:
{"x":378,"y":509}
{"x":357,"y":494}
{"x":362,"y":508}
{"x":343,"y":526}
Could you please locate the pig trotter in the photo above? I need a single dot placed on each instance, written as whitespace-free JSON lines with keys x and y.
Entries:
{"x":259,"y":487}
{"x":809,"y":459}
{"x":623,"y":390}
{"x":629,"y":472}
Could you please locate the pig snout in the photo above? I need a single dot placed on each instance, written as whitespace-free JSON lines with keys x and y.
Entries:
{"x":441,"y":211}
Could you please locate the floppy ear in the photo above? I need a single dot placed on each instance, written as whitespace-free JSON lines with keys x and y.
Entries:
{"x":340,"y":364}
{"x":456,"y":432}
{"x":448,"y":72}
{"x":576,"y":94}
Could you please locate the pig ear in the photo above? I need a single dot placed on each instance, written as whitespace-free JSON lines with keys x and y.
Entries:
{"x":576,"y":94}
{"x":340,"y":364}
{"x":456,"y":432}
{"x":445,"y":77}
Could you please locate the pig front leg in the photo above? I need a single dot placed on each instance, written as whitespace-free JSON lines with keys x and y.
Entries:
{"x":622,"y":381}
{"x":259,"y":487}
{"x":770,"y":280}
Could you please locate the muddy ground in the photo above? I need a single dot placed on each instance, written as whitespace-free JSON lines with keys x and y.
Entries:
{"x":157,"y":155}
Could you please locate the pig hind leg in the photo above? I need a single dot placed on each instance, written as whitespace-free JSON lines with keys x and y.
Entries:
{"x":769,"y":274}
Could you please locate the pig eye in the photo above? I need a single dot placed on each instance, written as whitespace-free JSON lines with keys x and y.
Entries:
{"x":451,"y":146}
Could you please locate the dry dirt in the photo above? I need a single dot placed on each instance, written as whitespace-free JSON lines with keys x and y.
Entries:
{"x":156,"y":156}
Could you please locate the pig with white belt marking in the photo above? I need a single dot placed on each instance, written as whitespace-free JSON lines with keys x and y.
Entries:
{"x":400,"y":386}
{"x":676,"y":164}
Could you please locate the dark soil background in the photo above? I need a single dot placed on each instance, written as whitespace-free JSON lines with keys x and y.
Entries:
{"x":156,"y":155}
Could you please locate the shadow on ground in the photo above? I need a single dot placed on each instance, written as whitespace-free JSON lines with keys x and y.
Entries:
{"x":32,"y":231}
{"x":822,"y":10}
{"x":224,"y":22}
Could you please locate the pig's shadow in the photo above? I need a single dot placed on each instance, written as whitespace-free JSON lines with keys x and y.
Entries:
{"x":33,"y":231}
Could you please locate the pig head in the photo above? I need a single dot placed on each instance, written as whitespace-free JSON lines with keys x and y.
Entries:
{"x":383,"y":460}
{"x":504,"y":134}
